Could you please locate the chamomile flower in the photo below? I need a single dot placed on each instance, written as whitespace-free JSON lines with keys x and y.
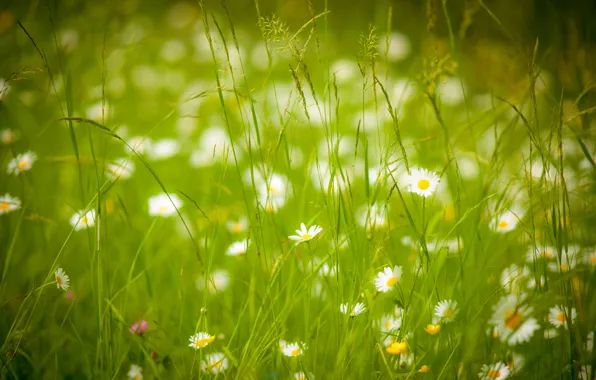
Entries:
{"x":359,"y":308}
{"x":135,"y":372}
{"x":423,"y":182}
{"x":163,"y":149}
{"x":293,"y":349}
{"x":304,"y":234}
{"x":237,"y":226}
{"x":446,"y":310}
{"x":237,"y":248}
{"x":62,"y":279}
{"x":513,"y":278}
{"x":200,"y":340}
{"x":389,"y":324}
{"x":589,"y":258}
{"x":541,"y":253}
{"x":497,"y":371}
{"x":21,"y":163}
{"x":388,"y":278}
{"x":161,"y":205}
{"x":504,"y":222}
{"x":121,"y":168}
{"x":512,"y":318}
{"x":82,"y":219}
{"x":558,"y":316}
{"x":9,"y":204}
{"x":138,"y":144}
{"x":303,"y":376}
{"x":217,"y":282}
{"x":215,"y":363}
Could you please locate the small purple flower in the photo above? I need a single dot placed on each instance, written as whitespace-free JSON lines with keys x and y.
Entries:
{"x":139,"y":327}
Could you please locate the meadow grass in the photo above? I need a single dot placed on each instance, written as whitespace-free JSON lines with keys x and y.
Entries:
{"x":154,"y":228}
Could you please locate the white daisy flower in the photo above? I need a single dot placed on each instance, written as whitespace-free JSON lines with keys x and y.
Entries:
{"x":82,"y":219}
{"x":388,"y":278}
{"x":303,"y":376}
{"x":238,"y":226}
{"x":497,"y":371}
{"x":217,"y":282}
{"x":9,"y":204}
{"x":513,"y":320}
{"x":215,"y":363}
{"x":293,"y":349}
{"x":161,"y":205}
{"x":504,"y":222}
{"x":423,"y":182}
{"x":62,"y":279}
{"x":390,"y":324}
{"x":7,"y":136}
{"x":21,"y":163}
{"x":372,"y":217}
{"x":121,"y":168}
{"x":515,"y":362}
{"x":135,"y":372}
{"x":163,"y":149}
{"x":557,"y":316}
{"x":446,"y":310}
{"x":589,"y":259}
{"x":272,"y":192}
{"x":139,"y":144}
{"x":541,"y":253}
{"x":359,"y":308}
{"x":513,"y":278}
{"x":200,"y":340}
{"x":304,"y":234}
{"x":238,"y":248}
{"x":396,"y":47}
{"x":568,"y":262}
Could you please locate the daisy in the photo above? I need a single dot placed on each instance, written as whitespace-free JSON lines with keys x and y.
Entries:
{"x":433,"y":328}
{"x":163,"y":149}
{"x":138,"y":144}
{"x":389,"y":324}
{"x":135,"y":372}
{"x":589,"y":259}
{"x":513,"y":320}
{"x":200,"y":340}
{"x":121,"y":168}
{"x":515,"y":362}
{"x":293,"y":349}
{"x":513,"y":278}
{"x":217,"y":282}
{"x":557,"y":316}
{"x":446,"y":310}
{"x":62,"y":279}
{"x":423,"y":182}
{"x":238,"y":226}
{"x":359,"y":308}
{"x":82,"y":219}
{"x":9,"y":204}
{"x":303,"y":376}
{"x":215,"y":363}
{"x":237,"y":248}
{"x":161,"y":205}
{"x":388,"y":278}
{"x":541,"y":253}
{"x":497,"y":371}
{"x":328,"y":270}
{"x":372,"y":217}
{"x":504,"y":222}
{"x":7,"y":136}
{"x":304,"y":234}
{"x":21,"y":163}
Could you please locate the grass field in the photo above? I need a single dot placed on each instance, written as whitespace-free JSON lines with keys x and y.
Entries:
{"x":214,"y":190}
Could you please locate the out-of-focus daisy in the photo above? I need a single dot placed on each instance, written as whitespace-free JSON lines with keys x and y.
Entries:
{"x":21,"y":163}
{"x":388,"y":278}
{"x":557,"y":316}
{"x":238,"y":226}
{"x":200,"y":340}
{"x":432,"y":328}
{"x":359,"y":308}
{"x":304,"y":234}
{"x":62,"y":279}
{"x":82,"y":219}
{"x":135,"y":372}
{"x":496,"y":371}
{"x":396,"y":47}
{"x":515,"y":362}
{"x":217,"y":282}
{"x":512,"y":318}
{"x":372,"y":217}
{"x":328,"y":270}
{"x":423,"y":182}
{"x":446,"y":310}
{"x":541,"y":253}
{"x":139,"y":327}
{"x":513,"y":278}
{"x":9,"y":204}
{"x":589,"y":258}
{"x":121,"y":168}
{"x":343,"y":70}
{"x":504,"y":222}
{"x":272,"y":192}
{"x":139,"y":144}
{"x":567,"y":263}
{"x":237,"y":248}
{"x":163,"y":149}
{"x":161,"y":205}
{"x":303,"y":376}
{"x":215,"y":363}
{"x":293,"y":349}
{"x":7,"y":136}
{"x":389,"y":324}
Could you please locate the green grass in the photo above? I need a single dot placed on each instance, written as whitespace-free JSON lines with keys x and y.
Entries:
{"x":255,"y":102}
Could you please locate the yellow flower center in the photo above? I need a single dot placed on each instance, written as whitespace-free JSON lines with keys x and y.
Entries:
{"x":392,"y":281}
{"x":432,"y":329}
{"x":84,"y":220}
{"x":58,"y":280}
{"x":205,"y":341}
{"x":163,"y":209}
{"x":423,"y":184}
{"x":237,"y":227}
{"x":424,"y":369}
{"x":387,"y":325}
{"x":4,"y":206}
{"x":512,"y":319}
{"x":295,"y":352}
{"x":503,"y":224}
{"x":564,"y":267}
{"x":494,"y":374}
{"x":547,"y":253}
{"x":306,"y":236}
{"x":397,"y":348}
{"x":561,"y":317}
{"x":23,"y":164}
{"x":448,"y":313}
